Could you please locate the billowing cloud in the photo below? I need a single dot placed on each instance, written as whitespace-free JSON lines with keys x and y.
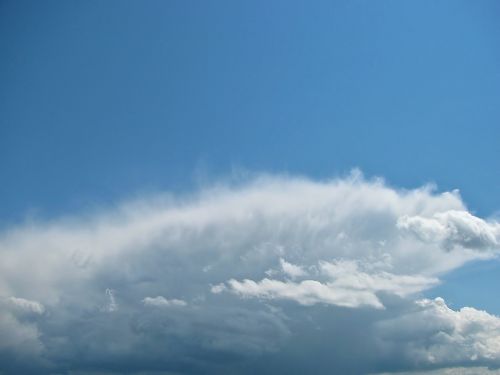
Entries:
{"x":435,"y":334}
{"x":452,"y":228}
{"x":239,"y":278}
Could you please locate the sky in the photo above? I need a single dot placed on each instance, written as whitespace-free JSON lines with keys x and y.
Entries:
{"x":232,"y":186}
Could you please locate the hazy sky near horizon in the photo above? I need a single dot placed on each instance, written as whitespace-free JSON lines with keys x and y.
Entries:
{"x":173,"y":161}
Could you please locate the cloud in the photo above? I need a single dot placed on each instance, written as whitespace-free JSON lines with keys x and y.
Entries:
{"x":27,"y":305}
{"x":481,"y":370}
{"x":292,"y":270}
{"x":348,"y":286}
{"x":271,"y":267}
{"x":111,"y":305}
{"x":307,"y":292}
{"x":160,"y":301}
{"x":452,"y":228}
{"x":436,"y":334}
{"x":21,"y":348}
{"x":348,"y":275}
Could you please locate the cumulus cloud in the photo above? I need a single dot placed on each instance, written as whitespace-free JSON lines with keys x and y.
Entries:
{"x":452,"y":228}
{"x":347,"y":286}
{"x":266,"y":266}
{"x":161,"y":301}
{"x":434,"y":334}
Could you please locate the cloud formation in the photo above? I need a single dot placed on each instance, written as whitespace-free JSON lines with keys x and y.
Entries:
{"x":252,"y":271}
{"x":160,"y":301}
{"x":27,"y":305}
{"x":436,"y":334}
{"x":453,"y":228}
{"x":347,"y":286}
{"x":292,"y":270}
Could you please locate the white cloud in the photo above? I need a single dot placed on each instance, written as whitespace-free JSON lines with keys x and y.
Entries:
{"x":292,"y":270}
{"x":453,"y":228}
{"x":345,"y":242}
{"x":160,"y":301}
{"x":307,"y":292}
{"x":343,"y":219}
{"x":347,"y":286}
{"x":349,"y":275}
{"x":435,"y":334}
{"x":219,"y":288}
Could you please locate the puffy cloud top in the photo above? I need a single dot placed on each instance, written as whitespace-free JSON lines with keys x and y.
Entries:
{"x":452,"y":228}
{"x":436,"y":334}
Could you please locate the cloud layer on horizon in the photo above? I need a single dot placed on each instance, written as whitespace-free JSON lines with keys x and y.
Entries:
{"x":243,"y":278}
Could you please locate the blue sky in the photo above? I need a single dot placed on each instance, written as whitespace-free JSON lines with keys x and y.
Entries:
{"x":100,"y":101}
{"x":106,"y":102}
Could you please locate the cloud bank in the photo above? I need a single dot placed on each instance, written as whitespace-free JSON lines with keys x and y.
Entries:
{"x":241,"y":278}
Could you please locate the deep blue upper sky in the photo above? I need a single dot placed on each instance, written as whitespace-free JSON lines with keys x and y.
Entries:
{"x":103,"y":100}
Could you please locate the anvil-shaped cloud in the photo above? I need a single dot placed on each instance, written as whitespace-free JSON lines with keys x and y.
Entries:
{"x":240,"y":278}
